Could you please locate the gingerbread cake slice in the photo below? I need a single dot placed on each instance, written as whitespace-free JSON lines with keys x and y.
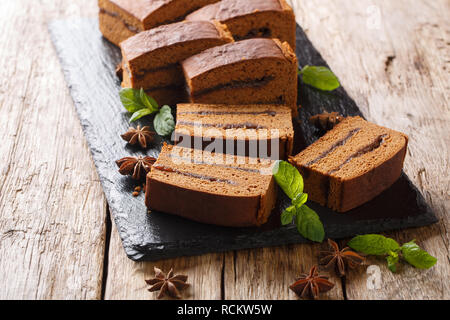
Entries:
{"x":211,"y":188}
{"x":151,"y":58}
{"x":260,"y":131}
{"x":252,"y":18}
{"x":121,"y":19}
{"x":253,"y":71}
{"x":352,"y":164}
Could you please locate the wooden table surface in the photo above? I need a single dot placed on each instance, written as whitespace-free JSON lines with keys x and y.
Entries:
{"x":56,"y":237}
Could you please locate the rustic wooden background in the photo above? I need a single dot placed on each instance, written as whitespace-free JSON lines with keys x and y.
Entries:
{"x":56,"y":237}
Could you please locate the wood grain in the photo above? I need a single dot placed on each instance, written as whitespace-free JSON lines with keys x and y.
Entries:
{"x":393,"y":58}
{"x":52,"y":209}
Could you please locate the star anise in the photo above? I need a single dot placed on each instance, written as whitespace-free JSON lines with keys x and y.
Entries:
{"x":167,"y":285}
{"x":311,"y":285}
{"x":326,"y":121}
{"x":341,"y":260}
{"x":137,"y":167}
{"x":143,"y":136}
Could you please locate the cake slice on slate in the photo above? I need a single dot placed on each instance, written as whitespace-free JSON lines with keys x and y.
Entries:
{"x":262,"y":131}
{"x":252,"y":18}
{"x":121,"y":19}
{"x":211,"y":188}
{"x":254,"y":71}
{"x":151,"y":58}
{"x":352,"y":164}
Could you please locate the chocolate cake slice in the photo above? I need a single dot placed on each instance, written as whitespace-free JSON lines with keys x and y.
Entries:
{"x":252,"y":18}
{"x":151,"y":58}
{"x":261,"y":131}
{"x":211,"y":188}
{"x":352,"y":164}
{"x":254,"y":71}
{"x":121,"y":19}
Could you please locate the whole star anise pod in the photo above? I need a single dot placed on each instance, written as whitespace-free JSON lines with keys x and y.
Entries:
{"x":167,"y":285}
{"x":311,"y":285}
{"x":341,"y":260}
{"x":326,"y":121}
{"x":137,"y":167}
{"x":143,"y":136}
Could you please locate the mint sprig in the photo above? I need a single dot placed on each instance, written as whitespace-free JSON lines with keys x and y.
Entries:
{"x":378,"y":245}
{"x":320,"y":78}
{"x":140,"y":105}
{"x":307,"y":220}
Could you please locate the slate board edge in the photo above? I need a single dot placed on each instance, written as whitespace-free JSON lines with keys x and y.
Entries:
{"x":288,"y":235}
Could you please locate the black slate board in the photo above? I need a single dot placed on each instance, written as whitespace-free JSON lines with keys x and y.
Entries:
{"x":89,"y":61}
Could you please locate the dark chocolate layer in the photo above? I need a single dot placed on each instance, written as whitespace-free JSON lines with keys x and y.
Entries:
{"x":246,"y":125}
{"x":338,"y":144}
{"x":194,"y":175}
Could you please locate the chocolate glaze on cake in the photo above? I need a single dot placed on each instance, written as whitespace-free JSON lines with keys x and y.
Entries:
{"x":151,"y":58}
{"x":121,"y":19}
{"x":254,"y":71}
{"x":249,"y":130}
{"x":211,"y":188}
{"x":352,"y":164}
{"x":252,"y":18}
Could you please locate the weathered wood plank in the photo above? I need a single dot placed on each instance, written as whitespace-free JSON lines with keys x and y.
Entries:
{"x":267,"y":273}
{"x":393,"y":58}
{"x":52,"y":208}
{"x":126,"y":279}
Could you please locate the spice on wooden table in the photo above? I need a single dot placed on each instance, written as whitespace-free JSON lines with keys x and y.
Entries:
{"x":340,"y":260}
{"x":137,"y":167}
{"x":167,"y":285}
{"x":311,"y":285}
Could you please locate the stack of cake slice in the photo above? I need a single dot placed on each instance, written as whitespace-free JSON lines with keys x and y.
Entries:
{"x":252,"y":18}
{"x":259,"y":131}
{"x":151,"y":58}
{"x":211,"y":188}
{"x":121,"y":19}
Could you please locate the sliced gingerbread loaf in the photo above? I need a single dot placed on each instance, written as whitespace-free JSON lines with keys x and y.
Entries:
{"x":151,"y":58}
{"x":121,"y":19}
{"x":211,"y":188}
{"x":252,"y":18}
{"x":352,"y":164}
{"x":253,"y":71}
{"x":261,"y":131}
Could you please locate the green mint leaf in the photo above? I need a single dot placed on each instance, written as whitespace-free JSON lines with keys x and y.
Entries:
{"x":417,"y":257}
{"x":309,"y":224}
{"x":374,"y":244}
{"x":164,"y":122}
{"x":288,"y":178}
{"x":300,"y":200}
{"x":148,"y":101}
{"x":140,"y":113}
{"x":288,"y":216}
{"x":321,"y":78}
{"x":392,"y":260}
{"x":134,"y":100}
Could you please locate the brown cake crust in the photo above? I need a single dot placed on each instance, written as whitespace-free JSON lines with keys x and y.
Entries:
{"x":119,"y":19}
{"x":352,"y":164}
{"x":190,"y":191}
{"x":254,"y":71}
{"x":252,"y":18}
